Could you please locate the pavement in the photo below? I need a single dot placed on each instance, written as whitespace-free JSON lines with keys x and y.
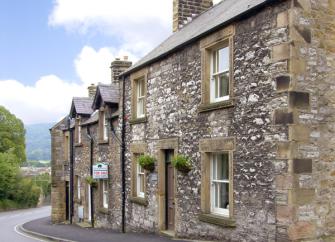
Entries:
{"x":44,"y":230}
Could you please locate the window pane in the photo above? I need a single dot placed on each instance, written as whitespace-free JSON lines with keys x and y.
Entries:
{"x":140,"y":87}
{"x":214,"y":65}
{"x":140,"y":107}
{"x":216,"y":195}
{"x":223,"y":59}
{"x":222,"y":167}
{"x":224,"y":84}
{"x":141,"y":183}
{"x":224,"y":195}
{"x":214,"y":167}
{"x":216,"y":80}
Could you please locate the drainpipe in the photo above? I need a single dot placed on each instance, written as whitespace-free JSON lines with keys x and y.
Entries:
{"x":123,"y":146}
{"x":71,"y":171}
{"x":91,"y":173}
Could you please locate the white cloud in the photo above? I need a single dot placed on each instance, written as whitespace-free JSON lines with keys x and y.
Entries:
{"x":93,"y":66}
{"x":137,"y":26}
{"x":47,"y":101}
{"x":50,"y":98}
{"x":130,"y":22}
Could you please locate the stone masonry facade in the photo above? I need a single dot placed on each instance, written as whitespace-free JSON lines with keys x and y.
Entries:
{"x":277,"y":127}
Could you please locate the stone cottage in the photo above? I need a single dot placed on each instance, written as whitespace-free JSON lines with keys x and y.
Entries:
{"x":89,"y":136}
{"x":245,"y":90}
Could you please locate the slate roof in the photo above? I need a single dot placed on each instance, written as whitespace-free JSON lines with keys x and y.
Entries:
{"x":81,"y":106}
{"x":216,"y":17}
{"x":107,"y":94}
{"x":93,"y":119}
{"x":62,"y":124}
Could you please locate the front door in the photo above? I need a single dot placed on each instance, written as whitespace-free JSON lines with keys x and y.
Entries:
{"x":169,"y":188}
{"x":67,"y":200}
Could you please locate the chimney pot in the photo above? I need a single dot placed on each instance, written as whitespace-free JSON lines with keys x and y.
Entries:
{"x":184,"y":10}
{"x":91,"y":90}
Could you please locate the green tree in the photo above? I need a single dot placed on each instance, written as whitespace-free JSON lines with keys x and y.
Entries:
{"x":12,"y":134}
{"x":9,"y":171}
{"x":15,"y":191}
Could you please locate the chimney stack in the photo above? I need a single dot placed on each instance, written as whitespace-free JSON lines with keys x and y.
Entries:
{"x":185,"y":10}
{"x":91,"y":90}
{"x":118,"y":66}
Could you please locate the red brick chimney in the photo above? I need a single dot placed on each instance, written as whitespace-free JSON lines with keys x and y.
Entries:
{"x":185,"y":10}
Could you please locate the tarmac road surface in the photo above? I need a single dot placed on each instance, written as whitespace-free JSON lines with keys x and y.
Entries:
{"x":9,"y":221}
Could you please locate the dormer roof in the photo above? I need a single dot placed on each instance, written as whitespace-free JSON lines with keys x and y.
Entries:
{"x":108,"y":94}
{"x":81,"y":106}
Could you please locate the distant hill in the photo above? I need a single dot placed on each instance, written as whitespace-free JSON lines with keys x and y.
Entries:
{"x":38,"y":141}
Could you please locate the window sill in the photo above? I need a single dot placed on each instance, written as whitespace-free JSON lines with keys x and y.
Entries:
{"x":217,"y":220}
{"x":103,"y":211}
{"x":205,"y":107}
{"x":138,"y":120}
{"x":103,"y":142}
{"x":78,"y":144}
{"x":139,"y":200}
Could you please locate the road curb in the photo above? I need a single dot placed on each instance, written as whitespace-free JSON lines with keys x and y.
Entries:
{"x":41,"y":236}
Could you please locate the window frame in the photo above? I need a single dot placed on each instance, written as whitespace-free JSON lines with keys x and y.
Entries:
{"x":214,"y":209}
{"x":78,"y":130}
{"x":139,"y":76}
{"x":78,"y":187}
{"x":103,"y":135}
{"x":140,"y":100}
{"x":105,"y":193}
{"x":213,"y":75}
{"x":137,"y":149}
{"x":207,"y":147}
{"x":140,"y":174}
{"x":208,"y":45}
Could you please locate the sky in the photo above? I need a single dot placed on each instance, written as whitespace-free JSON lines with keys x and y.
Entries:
{"x":52,"y":50}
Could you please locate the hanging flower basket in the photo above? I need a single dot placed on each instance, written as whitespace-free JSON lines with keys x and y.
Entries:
{"x":147,"y":162}
{"x":182,"y":163}
{"x":91,"y":181}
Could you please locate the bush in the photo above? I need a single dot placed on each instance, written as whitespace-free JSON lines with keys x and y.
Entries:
{"x":181,"y":163}
{"x":147,"y":162}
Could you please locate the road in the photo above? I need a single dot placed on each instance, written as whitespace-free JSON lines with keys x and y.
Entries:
{"x":9,"y":221}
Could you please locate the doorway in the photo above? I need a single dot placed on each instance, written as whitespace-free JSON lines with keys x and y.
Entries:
{"x":67,"y":200}
{"x":169,"y":191}
{"x":89,"y":202}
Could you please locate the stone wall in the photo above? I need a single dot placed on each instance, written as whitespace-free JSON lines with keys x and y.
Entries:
{"x":307,"y":213}
{"x":106,"y":152}
{"x":173,"y":100}
{"x":58,"y":191}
